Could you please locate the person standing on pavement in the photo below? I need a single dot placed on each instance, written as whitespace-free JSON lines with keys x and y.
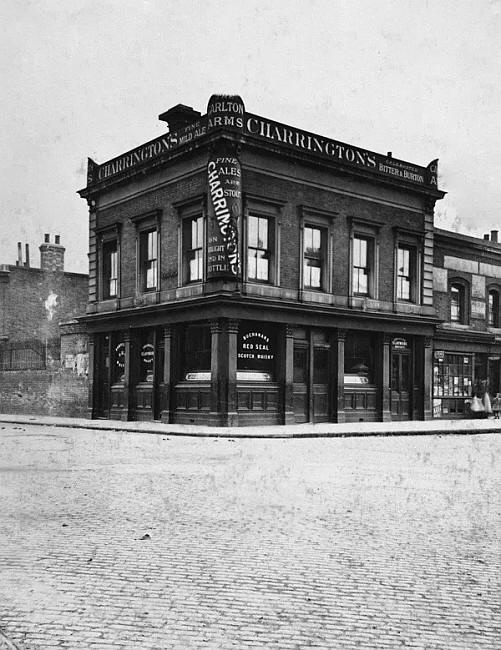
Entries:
{"x":496,"y":406}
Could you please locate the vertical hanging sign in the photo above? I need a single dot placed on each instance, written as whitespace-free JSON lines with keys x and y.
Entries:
{"x":224,"y":212}
{"x":224,"y":180}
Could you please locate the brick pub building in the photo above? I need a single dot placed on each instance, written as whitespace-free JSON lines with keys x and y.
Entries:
{"x":246,"y":272}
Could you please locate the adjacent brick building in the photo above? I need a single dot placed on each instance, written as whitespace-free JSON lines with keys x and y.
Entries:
{"x":467,"y":340}
{"x":41,"y":343}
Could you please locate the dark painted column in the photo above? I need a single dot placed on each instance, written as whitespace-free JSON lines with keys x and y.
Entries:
{"x":231,"y":361}
{"x":385,"y":378}
{"x":311,"y":392}
{"x":128,"y":376}
{"x":224,"y":372}
{"x":216,"y":371}
{"x":288,"y":375}
{"x":91,"y":404}
{"x":427,"y":379}
{"x":338,"y":357}
{"x":166,"y":415}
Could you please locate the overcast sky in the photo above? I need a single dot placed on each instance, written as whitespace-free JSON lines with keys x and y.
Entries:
{"x":85,"y":78}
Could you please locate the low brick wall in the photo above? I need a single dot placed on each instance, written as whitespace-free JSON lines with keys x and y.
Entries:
{"x":43,"y":392}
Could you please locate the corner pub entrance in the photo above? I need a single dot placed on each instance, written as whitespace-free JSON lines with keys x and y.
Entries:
{"x":244,"y":272}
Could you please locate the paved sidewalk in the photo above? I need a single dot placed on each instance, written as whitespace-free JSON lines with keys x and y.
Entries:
{"x":308,"y":430}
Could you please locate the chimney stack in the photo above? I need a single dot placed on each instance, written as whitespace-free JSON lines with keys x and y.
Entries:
{"x":179,"y":116}
{"x":486,"y":237}
{"x":27,"y":260}
{"x":494,"y":236}
{"x":52,"y":255}
{"x":19,"y":254}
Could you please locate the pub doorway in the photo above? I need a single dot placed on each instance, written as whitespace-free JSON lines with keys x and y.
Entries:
{"x":401,"y":384}
{"x":147,"y":374}
{"x":311,"y":377}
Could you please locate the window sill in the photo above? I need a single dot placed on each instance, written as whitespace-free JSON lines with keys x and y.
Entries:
{"x":111,"y":304}
{"x":456,"y":326}
{"x":317,"y":296}
{"x":268,"y":291}
{"x":261,"y":283}
{"x":150,"y":297}
{"x":188,"y":290}
{"x":407,"y":307}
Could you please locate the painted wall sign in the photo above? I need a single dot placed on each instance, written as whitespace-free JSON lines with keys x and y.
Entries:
{"x":120,"y":356}
{"x":224,"y":214}
{"x":339,"y":151}
{"x":228,"y":112}
{"x":148,"y":151}
{"x":256,"y":349}
{"x":148,"y":353}
{"x":225,"y":111}
{"x":147,"y":357}
{"x":399,"y":344}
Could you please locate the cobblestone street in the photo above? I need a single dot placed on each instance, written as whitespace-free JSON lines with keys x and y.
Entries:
{"x":113,"y":540}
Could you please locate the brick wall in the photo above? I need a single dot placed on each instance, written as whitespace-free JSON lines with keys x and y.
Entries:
{"x":458,"y":257}
{"x":297,"y":194}
{"x":43,"y":392}
{"x":160,"y":199}
{"x":27,"y":289}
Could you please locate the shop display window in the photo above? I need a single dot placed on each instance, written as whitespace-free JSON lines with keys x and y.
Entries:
{"x":359,"y":359}
{"x":196,"y":353}
{"x":256,"y":356}
{"x":453,"y":375}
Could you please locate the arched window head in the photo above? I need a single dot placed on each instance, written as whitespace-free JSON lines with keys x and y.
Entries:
{"x":458,"y":312}
{"x":493,"y":308}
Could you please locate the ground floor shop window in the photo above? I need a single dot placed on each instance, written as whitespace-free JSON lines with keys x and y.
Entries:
{"x":453,"y":377}
{"x":359,"y":358}
{"x":256,"y":352}
{"x":196,"y":353}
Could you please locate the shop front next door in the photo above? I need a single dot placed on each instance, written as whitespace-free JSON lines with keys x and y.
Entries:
{"x":401,"y":385}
